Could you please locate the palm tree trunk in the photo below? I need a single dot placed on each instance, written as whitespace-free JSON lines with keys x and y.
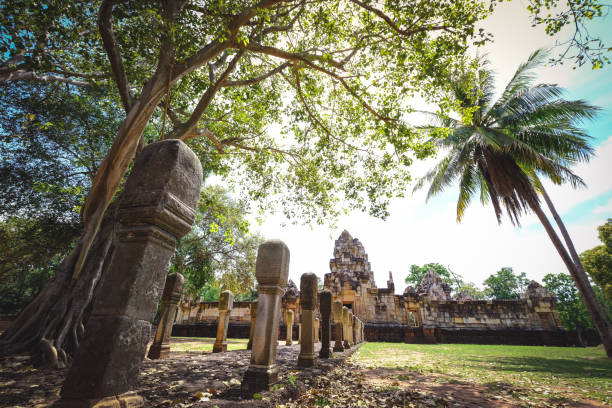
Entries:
{"x":582,"y":282}
{"x":564,"y":233}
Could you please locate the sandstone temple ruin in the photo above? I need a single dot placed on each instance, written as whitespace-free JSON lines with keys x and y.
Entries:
{"x":426,"y":313}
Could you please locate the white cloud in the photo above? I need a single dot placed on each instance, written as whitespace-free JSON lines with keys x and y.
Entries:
{"x":604,"y":209}
{"x":596,"y":175}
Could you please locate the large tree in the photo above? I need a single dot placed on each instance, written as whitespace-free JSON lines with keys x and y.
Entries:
{"x":500,"y":148}
{"x":332,"y":76}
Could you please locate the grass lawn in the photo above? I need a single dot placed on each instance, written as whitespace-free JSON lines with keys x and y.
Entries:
{"x":202,"y":344}
{"x":521,"y":372}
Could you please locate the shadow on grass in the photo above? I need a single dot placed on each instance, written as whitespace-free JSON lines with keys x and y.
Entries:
{"x":574,"y":367}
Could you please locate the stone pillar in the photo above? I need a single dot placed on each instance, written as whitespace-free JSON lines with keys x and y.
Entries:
{"x":170,"y":298}
{"x":300,"y":331}
{"x":316,"y":330}
{"x":289,"y":320}
{"x":338,"y":319}
{"x":252,"y":330}
{"x":308,"y":302}
{"x":226,"y":304}
{"x":355,"y":330}
{"x":346,"y":328}
{"x":325,"y":309}
{"x":271,"y":271}
{"x":156,"y":207}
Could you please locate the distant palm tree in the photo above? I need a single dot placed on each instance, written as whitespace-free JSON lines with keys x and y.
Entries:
{"x":500,"y":148}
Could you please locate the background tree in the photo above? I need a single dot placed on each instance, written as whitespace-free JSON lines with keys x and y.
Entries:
{"x":220,"y":251}
{"x":598,"y":261}
{"x":505,"y":284}
{"x":52,"y":139}
{"x":572,"y":310}
{"x":499,"y":148}
{"x":219,"y":75}
{"x":416,"y":273}
{"x":471,"y":289}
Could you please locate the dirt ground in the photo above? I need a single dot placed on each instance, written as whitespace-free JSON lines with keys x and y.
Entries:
{"x":208,"y":380}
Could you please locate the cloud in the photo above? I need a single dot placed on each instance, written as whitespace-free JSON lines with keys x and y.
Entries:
{"x":604,"y":209}
{"x":596,"y":175}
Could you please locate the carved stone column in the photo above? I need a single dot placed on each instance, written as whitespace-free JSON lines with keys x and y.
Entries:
{"x":355,"y":330}
{"x":172,"y":295}
{"x":316,"y":330}
{"x":338,"y":319}
{"x":156,"y":207}
{"x":325,"y":309}
{"x":226,"y":304}
{"x":252,"y":329}
{"x":271,"y":271}
{"x":308,"y":302}
{"x":346,"y":328}
{"x":289,"y":334}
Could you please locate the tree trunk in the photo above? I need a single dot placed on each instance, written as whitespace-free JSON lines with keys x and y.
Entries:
{"x":51,"y":327}
{"x":582,"y":282}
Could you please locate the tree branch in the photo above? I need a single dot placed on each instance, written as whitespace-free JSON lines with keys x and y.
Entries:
{"x":252,"y":81}
{"x":114,"y":55}
{"x":24,"y":75}
{"x":394,"y":26}
{"x":184,"y":131}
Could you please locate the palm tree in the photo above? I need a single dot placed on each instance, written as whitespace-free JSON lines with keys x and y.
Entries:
{"x":500,"y":149}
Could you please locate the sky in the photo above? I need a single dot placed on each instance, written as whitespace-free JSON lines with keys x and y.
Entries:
{"x":419,"y":232}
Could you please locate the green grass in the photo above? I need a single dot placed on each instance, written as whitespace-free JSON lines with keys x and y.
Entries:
{"x":524,"y":372}
{"x":203,"y":344}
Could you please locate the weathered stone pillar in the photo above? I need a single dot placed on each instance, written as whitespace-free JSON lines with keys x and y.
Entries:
{"x":325,"y":309}
{"x":338,"y":319}
{"x":172,"y":295}
{"x":300,"y":330}
{"x":346,"y":328}
{"x":289,"y":320}
{"x":156,"y":207}
{"x":308,"y":302}
{"x":226,"y":304}
{"x":316,"y":330}
{"x":252,"y":329}
{"x":271,"y":271}
{"x":355,"y":330}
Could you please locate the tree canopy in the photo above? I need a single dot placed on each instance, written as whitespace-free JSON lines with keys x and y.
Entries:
{"x":298,"y":100}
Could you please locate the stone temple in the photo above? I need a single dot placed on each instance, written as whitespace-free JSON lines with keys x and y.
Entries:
{"x":426,"y":313}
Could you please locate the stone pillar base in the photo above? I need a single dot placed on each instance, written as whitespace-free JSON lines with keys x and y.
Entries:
{"x":338,"y":346}
{"x":346,"y":345}
{"x":127,"y":400}
{"x":325,"y":353}
{"x":307,"y":360}
{"x":258,"y":379}
{"x":159,"y":351}
{"x":220,"y":348}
